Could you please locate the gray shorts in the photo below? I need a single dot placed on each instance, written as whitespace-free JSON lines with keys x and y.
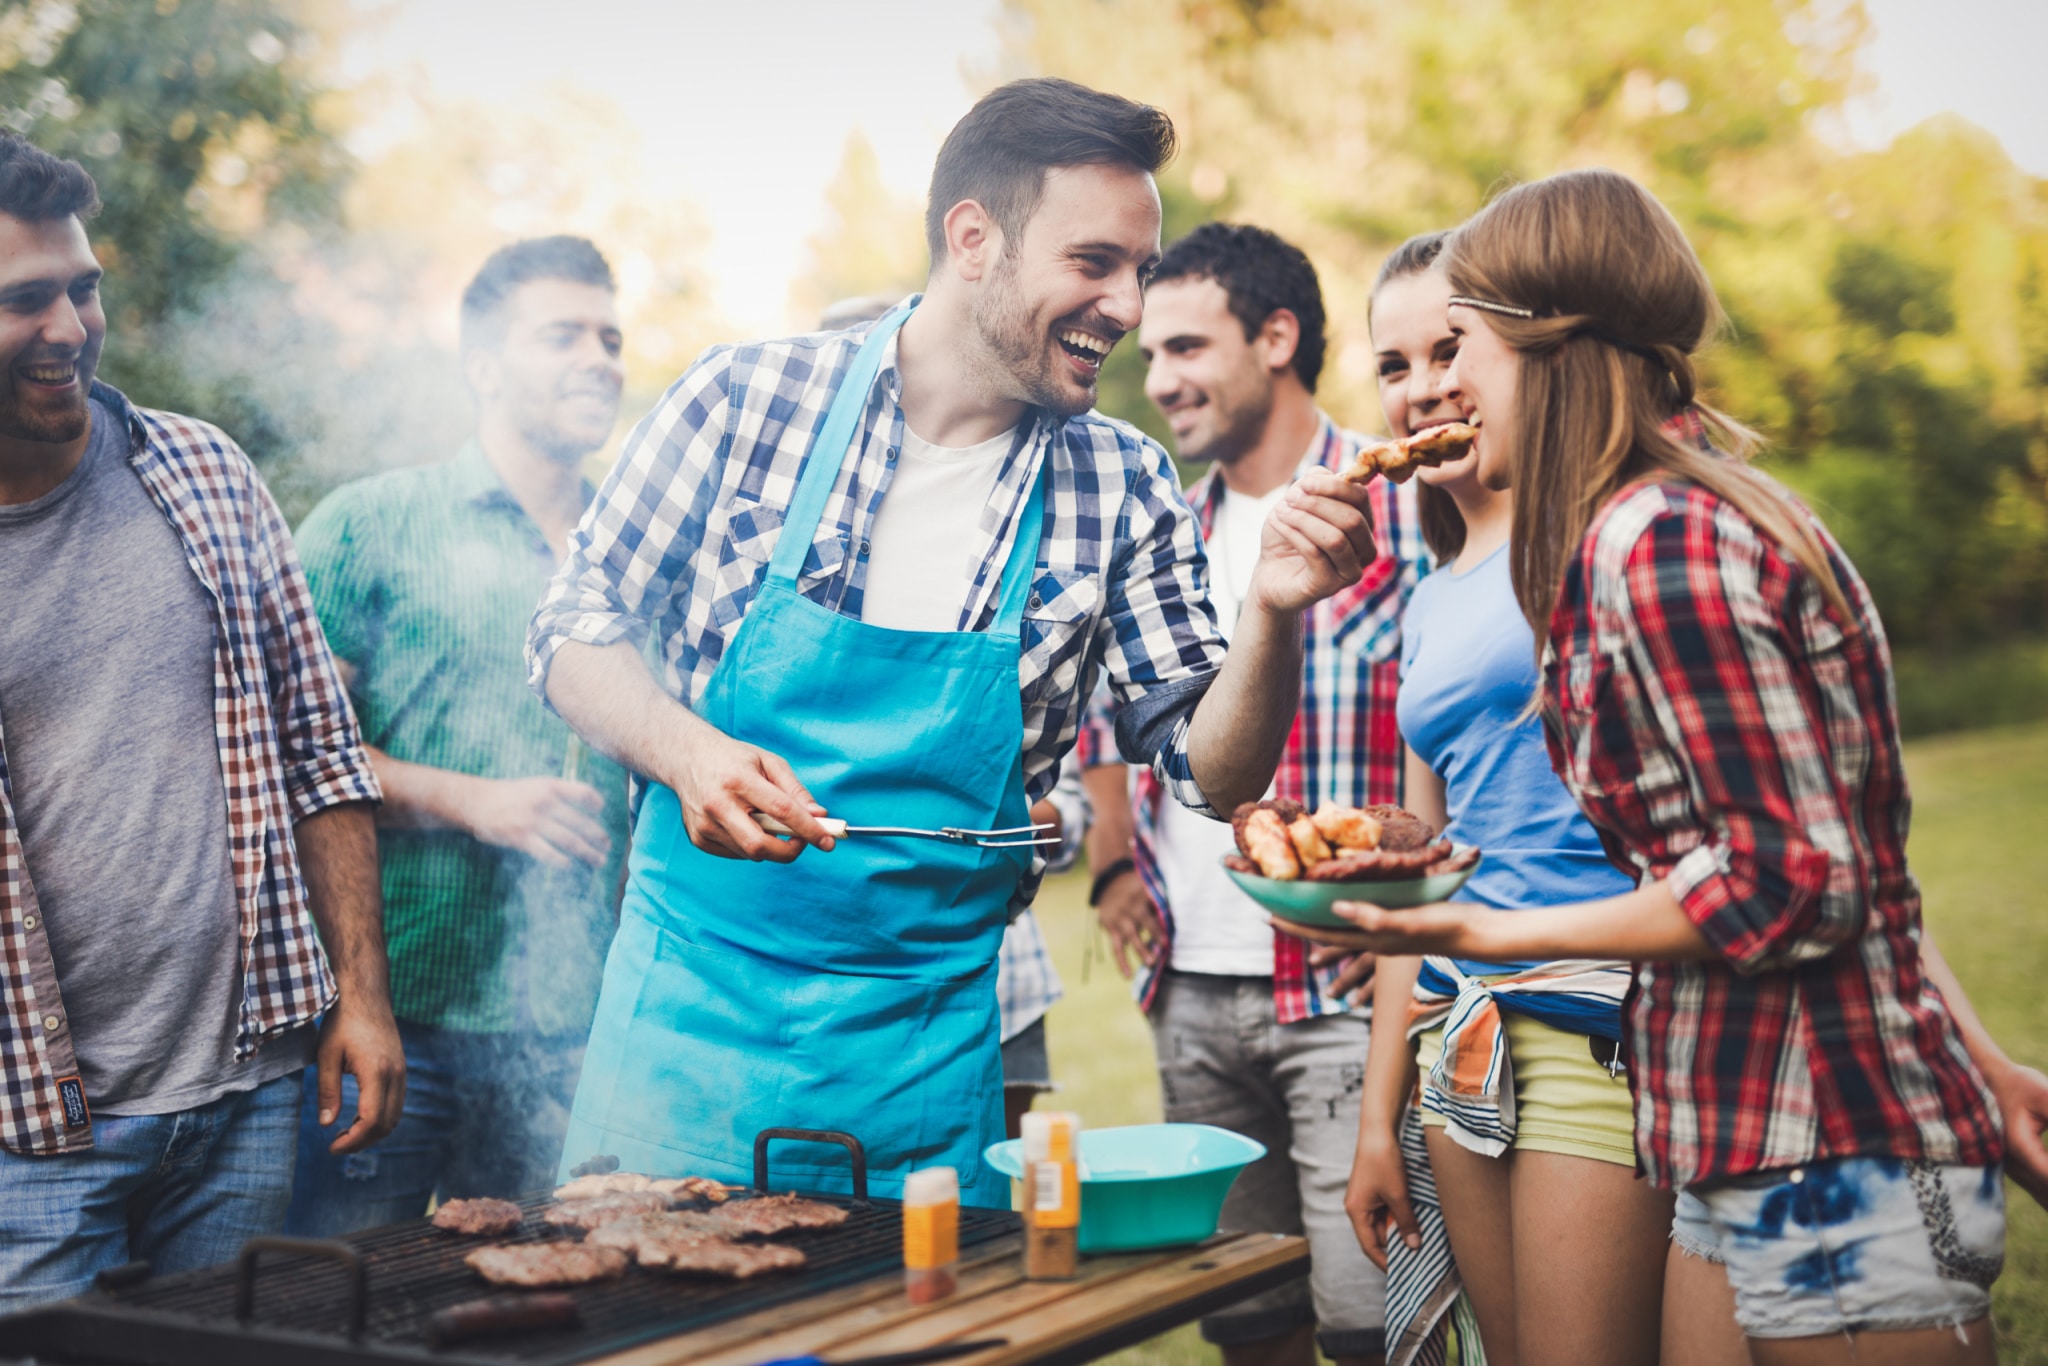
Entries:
{"x":1224,"y":1060}
{"x":1024,"y":1059}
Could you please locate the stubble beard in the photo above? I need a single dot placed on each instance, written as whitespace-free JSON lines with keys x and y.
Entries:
{"x":1020,"y":361}
{"x":1244,"y":425}
{"x":24,"y":422}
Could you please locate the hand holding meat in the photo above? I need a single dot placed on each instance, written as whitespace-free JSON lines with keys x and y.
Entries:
{"x":1398,"y":460}
{"x":1317,"y":542}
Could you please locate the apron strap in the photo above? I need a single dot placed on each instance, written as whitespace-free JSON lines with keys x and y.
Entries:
{"x":1022,"y":566}
{"x":828,"y":452}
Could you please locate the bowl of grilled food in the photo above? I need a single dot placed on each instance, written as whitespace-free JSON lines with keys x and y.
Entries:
{"x":1298,"y":864}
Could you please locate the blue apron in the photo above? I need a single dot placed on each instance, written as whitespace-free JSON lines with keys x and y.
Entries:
{"x":850,"y":990}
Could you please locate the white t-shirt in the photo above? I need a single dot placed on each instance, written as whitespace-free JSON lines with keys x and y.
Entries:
{"x":917,"y":561}
{"x":1216,"y":927}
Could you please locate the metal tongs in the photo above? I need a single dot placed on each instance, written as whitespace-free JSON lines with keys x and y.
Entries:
{"x":980,"y":839}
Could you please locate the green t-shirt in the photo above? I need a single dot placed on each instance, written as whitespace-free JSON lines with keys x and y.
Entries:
{"x":425,"y":580}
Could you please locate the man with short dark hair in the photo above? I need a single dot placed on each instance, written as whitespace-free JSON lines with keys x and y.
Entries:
{"x":1250,"y":1036}
{"x":501,"y":837}
{"x":884,"y":568}
{"x":188,"y":873}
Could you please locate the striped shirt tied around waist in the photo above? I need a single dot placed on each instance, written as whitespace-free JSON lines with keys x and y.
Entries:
{"x":1472,"y":1083}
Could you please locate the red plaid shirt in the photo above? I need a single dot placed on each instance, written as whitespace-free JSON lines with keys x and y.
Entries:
{"x":288,"y":748}
{"x":1727,"y":734}
{"x":1345,"y":746}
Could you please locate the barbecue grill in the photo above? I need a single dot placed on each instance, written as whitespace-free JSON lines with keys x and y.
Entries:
{"x":367,"y":1298}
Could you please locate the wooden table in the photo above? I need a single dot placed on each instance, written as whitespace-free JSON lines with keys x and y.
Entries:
{"x":1116,"y":1301}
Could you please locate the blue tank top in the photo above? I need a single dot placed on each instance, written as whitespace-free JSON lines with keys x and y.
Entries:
{"x":1468,"y":670}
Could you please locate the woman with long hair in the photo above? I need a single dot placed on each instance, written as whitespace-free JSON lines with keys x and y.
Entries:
{"x":1559,"y":1247}
{"x":1718,"y":697}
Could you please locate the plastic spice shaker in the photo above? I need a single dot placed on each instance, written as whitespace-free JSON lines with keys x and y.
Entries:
{"x":1052,"y":1195}
{"x":931,"y":1234}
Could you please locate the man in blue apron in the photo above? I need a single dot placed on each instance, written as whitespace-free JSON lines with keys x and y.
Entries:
{"x":884,"y":567}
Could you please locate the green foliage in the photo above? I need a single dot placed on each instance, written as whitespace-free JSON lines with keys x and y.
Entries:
{"x":200,"y":120}
{"x":1889,"y":327}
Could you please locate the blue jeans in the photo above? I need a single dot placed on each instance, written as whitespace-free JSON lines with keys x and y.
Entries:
{"x":178,"y":1191}
{"x":484,"y":1115}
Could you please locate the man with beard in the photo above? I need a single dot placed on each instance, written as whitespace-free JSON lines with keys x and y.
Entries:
{"x":501,"y":836}
{"x":1250,"y":1035}
{"x":188,"y":874}
{"x":883,"y":568}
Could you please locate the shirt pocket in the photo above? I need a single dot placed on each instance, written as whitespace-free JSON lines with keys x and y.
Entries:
{"x":751,"y":531}
{"x":1055,"y":629}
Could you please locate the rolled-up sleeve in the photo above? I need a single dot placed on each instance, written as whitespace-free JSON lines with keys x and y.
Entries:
{"x":324,"y":761}
{"x":1161,"y":643}
{"x":1730,"y":762}
{"x":630,"y":557}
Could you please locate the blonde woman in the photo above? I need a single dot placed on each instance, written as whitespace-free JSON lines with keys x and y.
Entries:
{"x":1559,"y":1246}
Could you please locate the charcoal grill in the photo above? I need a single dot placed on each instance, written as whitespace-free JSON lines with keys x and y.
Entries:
{"x":366,"y":1298}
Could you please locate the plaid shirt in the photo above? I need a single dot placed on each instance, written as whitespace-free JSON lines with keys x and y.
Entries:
{"x":1725,"y":733}
{"x":681,"y":533}
{"x":288,"y":749}
{"x":1345,"y":746}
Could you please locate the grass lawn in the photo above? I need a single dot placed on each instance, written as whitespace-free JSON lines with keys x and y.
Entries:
{"x":1980,"y":847}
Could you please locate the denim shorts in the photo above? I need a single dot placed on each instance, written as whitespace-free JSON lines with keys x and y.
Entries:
{"x":1852,"y":1244}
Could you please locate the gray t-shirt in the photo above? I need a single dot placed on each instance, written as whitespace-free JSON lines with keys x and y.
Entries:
{"x":106,"y":682}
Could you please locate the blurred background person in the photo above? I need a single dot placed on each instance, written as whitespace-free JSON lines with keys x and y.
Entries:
{"x":1249,"y":1034}
{"x":188,"y":872}
{"x":501,"y":835}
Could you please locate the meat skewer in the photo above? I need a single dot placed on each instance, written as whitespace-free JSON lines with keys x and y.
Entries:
{"x":1397,"y":460}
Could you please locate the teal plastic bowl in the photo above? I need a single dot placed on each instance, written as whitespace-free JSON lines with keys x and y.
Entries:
{"x":1309,"y":903}
{"x":1147,"y":1185}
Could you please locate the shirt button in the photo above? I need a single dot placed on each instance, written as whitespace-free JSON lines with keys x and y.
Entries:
{"x":1036,"y":602}
{"x":891,"y":457}
{"x":1798,"y":1175}
{"x":50,"y":1022}
{"x":28,"y":922}
{"x":863,"y":547}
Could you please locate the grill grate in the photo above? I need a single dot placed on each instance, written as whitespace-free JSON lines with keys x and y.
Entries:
{"x":415,"y":1269}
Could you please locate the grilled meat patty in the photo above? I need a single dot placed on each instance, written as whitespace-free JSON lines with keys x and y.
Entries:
{"x":602,"y":1209}
{"x":623,"y":1183}
{"x":769,"y":1214}
{"x":542,"y":1264}
{"x":489,"y":1217}
{"x":681,"y":1242}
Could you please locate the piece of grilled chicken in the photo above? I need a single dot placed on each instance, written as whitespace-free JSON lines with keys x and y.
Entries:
{"x":1397,"y":460}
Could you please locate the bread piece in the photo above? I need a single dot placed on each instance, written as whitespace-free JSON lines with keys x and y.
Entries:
{"x":1308,"y":845}
{"x":1286,"y":808}
{"x":1265,"y":839}
{"x":1347,"y":827}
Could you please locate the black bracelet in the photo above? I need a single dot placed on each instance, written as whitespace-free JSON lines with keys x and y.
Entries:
{"x":1107,"y":876}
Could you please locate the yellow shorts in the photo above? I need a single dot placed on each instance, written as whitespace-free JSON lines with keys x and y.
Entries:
{"x":1564,"y":1101}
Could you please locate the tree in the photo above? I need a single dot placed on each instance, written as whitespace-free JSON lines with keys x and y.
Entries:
{"x":1886,"y":323}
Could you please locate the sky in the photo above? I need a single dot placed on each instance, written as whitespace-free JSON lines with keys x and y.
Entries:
{"x":745,"y":108}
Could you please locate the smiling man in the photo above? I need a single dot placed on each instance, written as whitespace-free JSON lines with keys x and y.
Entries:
{"x":501,"y":838}
{"x":883,"y":568}
{"x":184,"y":809}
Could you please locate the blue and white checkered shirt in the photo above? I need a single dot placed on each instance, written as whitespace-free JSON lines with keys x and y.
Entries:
{"x":680,"y":536}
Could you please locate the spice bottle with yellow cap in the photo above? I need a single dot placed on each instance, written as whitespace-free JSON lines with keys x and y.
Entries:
{"x":1052,"y":1195}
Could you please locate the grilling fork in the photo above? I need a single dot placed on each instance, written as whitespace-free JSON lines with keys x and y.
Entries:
{"x":1013,"y":837}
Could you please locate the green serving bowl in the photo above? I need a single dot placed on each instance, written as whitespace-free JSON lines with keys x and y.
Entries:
{"x":1308,"y":903}
{"x":1147,"y":1185}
